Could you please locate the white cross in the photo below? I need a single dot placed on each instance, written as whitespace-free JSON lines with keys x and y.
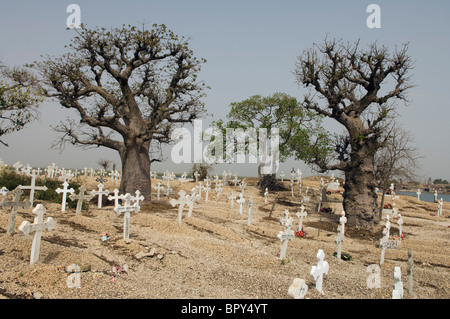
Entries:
{"x":207,"y":190}
{"x":292,"y":187}
{"x":397,"y":293}
{"x":127,"y":208}
{"x":418,"y":194}
{"x":196,"y":175}
{"x":64,"y":191}
{"x":218,"y":189}
{"x":200,"y":187}
{"x":243,"y":186}
{"x":250,"y":206}
{"x":100,"y":194}
{"x":240,"y":201}
{"x":17,"y":166}
{"x":116,"y":198}
{"x":440,"y":207}
{"x":183,"y":178}
{"x":342,"y":222}
{"x":318,"y":271}
{"x":26,"y":170}
{"x":158,"y":188}
{"x":285,"y":235}
{"x":37,"y":227}
{"x":33,"y":186}
{"x":137,"y":198}
{"x":65,"y":177}
{"x":182,"y":200}
{"x":282,"y":175}
{"x":232,"y":197}
{"x":15,"y":204}
{"x":384,"y":241}
{"x":80,"y":197}
{"x":300,"y":215}
{"x":266,"y":193}
{"x":191,"y":201}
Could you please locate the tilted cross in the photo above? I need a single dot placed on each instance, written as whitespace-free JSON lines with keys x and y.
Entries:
{"x":318,"y":271}
{"x":37,"y":227}
{"x":15,"y":204}
{"x":182,"y":200}
{"x":64,"y":191}
{"x":100,"y":194}
{"x":127,"y":208}
{"x":33,"y":186}
{"x":80,"y":197}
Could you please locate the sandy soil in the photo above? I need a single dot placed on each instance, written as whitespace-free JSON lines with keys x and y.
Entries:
{"x":214,"y":254}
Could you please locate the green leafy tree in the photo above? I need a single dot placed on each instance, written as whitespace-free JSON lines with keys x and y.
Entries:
{"x":18,"y":100}
{"x":130,"y":88}
{"x":300,"y":132}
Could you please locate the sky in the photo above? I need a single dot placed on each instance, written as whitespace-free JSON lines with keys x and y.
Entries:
{"x":251,"y":47}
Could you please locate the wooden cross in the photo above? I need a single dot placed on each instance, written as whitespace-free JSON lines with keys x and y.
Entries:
{"x":300,"y":215}
{"x":15,"y":204}
{"x":182,"y":200}
{"x":158,"y":188}
{"x":37,"y":227}
{"x":64,"y":191}
{"x":318,"y":271}
{"x":116,"y":197}
{"x":33,"y":186}
{"x":240,"y":201}
{"x":100,"y":194}
{"x":127,"y":208}
{"x":285,"y":235}
{"x":250,"y":206}
{"x":232,"y":197}
{"x":80,"y":197}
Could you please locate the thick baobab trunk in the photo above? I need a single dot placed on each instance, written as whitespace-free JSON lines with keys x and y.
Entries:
{"x":136,"y":170}
{"x":360,"y":198}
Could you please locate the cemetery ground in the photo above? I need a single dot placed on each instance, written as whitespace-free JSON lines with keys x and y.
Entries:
{"x":215,"y":254}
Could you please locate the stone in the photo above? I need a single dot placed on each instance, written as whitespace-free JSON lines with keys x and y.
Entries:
{"x":64,"y":191}
{"x":33,"y":186}
{"x":36,"y":228}
{"x":318,"y":271}
{"x":80,"y":197}
{"x":100,"y":194}
{"x":127,"y":209}
{"x":298,"y":289}
{"x":15,"y":204}
{"x":143,"y":254}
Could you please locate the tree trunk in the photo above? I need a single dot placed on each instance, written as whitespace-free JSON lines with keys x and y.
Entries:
{"x":136,"y":170}
{"x":268,"y":181}
{"x":360,"y":198}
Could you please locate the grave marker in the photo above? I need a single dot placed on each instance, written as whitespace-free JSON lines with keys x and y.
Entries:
{"x":64,"y":191}
{"x":298,"y":289}
{"x":409,"y":272}
{"x":318,"y":271}
{"x":15,"y":204}
{"x":250,"y":207}
{"x":127,"y":208}
{"x":266,"y":193}
{"x":158,"y":188}
{"x":300,"y":215}
{"x":36,"y":228}
{"x":3,"y":191}
{"x":240,"y":201}
{"x":232,"y":197}
{"x":397,"y":293}
{"x":80,"y":197}
{"x":137,"y":198}
{"x":182,"y":200}
{"x":33,"y":186}
{"x":400,"y":223}
{"x":100,"y":194}
{"x":287,"y":234}
{"x":207,"y":190}
{"x":116,"y":198}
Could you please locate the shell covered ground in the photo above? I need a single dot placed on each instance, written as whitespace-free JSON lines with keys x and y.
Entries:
{"x":214,"y":254}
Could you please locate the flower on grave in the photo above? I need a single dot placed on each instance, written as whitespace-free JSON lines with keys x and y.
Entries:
{"x":402,"y":236}
{"x":299,"y":233}
{"x":104,"y":237}
{"x":387,"y":206}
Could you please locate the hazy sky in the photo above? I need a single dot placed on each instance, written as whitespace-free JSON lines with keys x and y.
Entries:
{"x":251,"y":48}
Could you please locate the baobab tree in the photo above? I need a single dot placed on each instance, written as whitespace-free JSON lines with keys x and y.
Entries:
{"x":358,"y":88}
{"x":129,"y":87}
